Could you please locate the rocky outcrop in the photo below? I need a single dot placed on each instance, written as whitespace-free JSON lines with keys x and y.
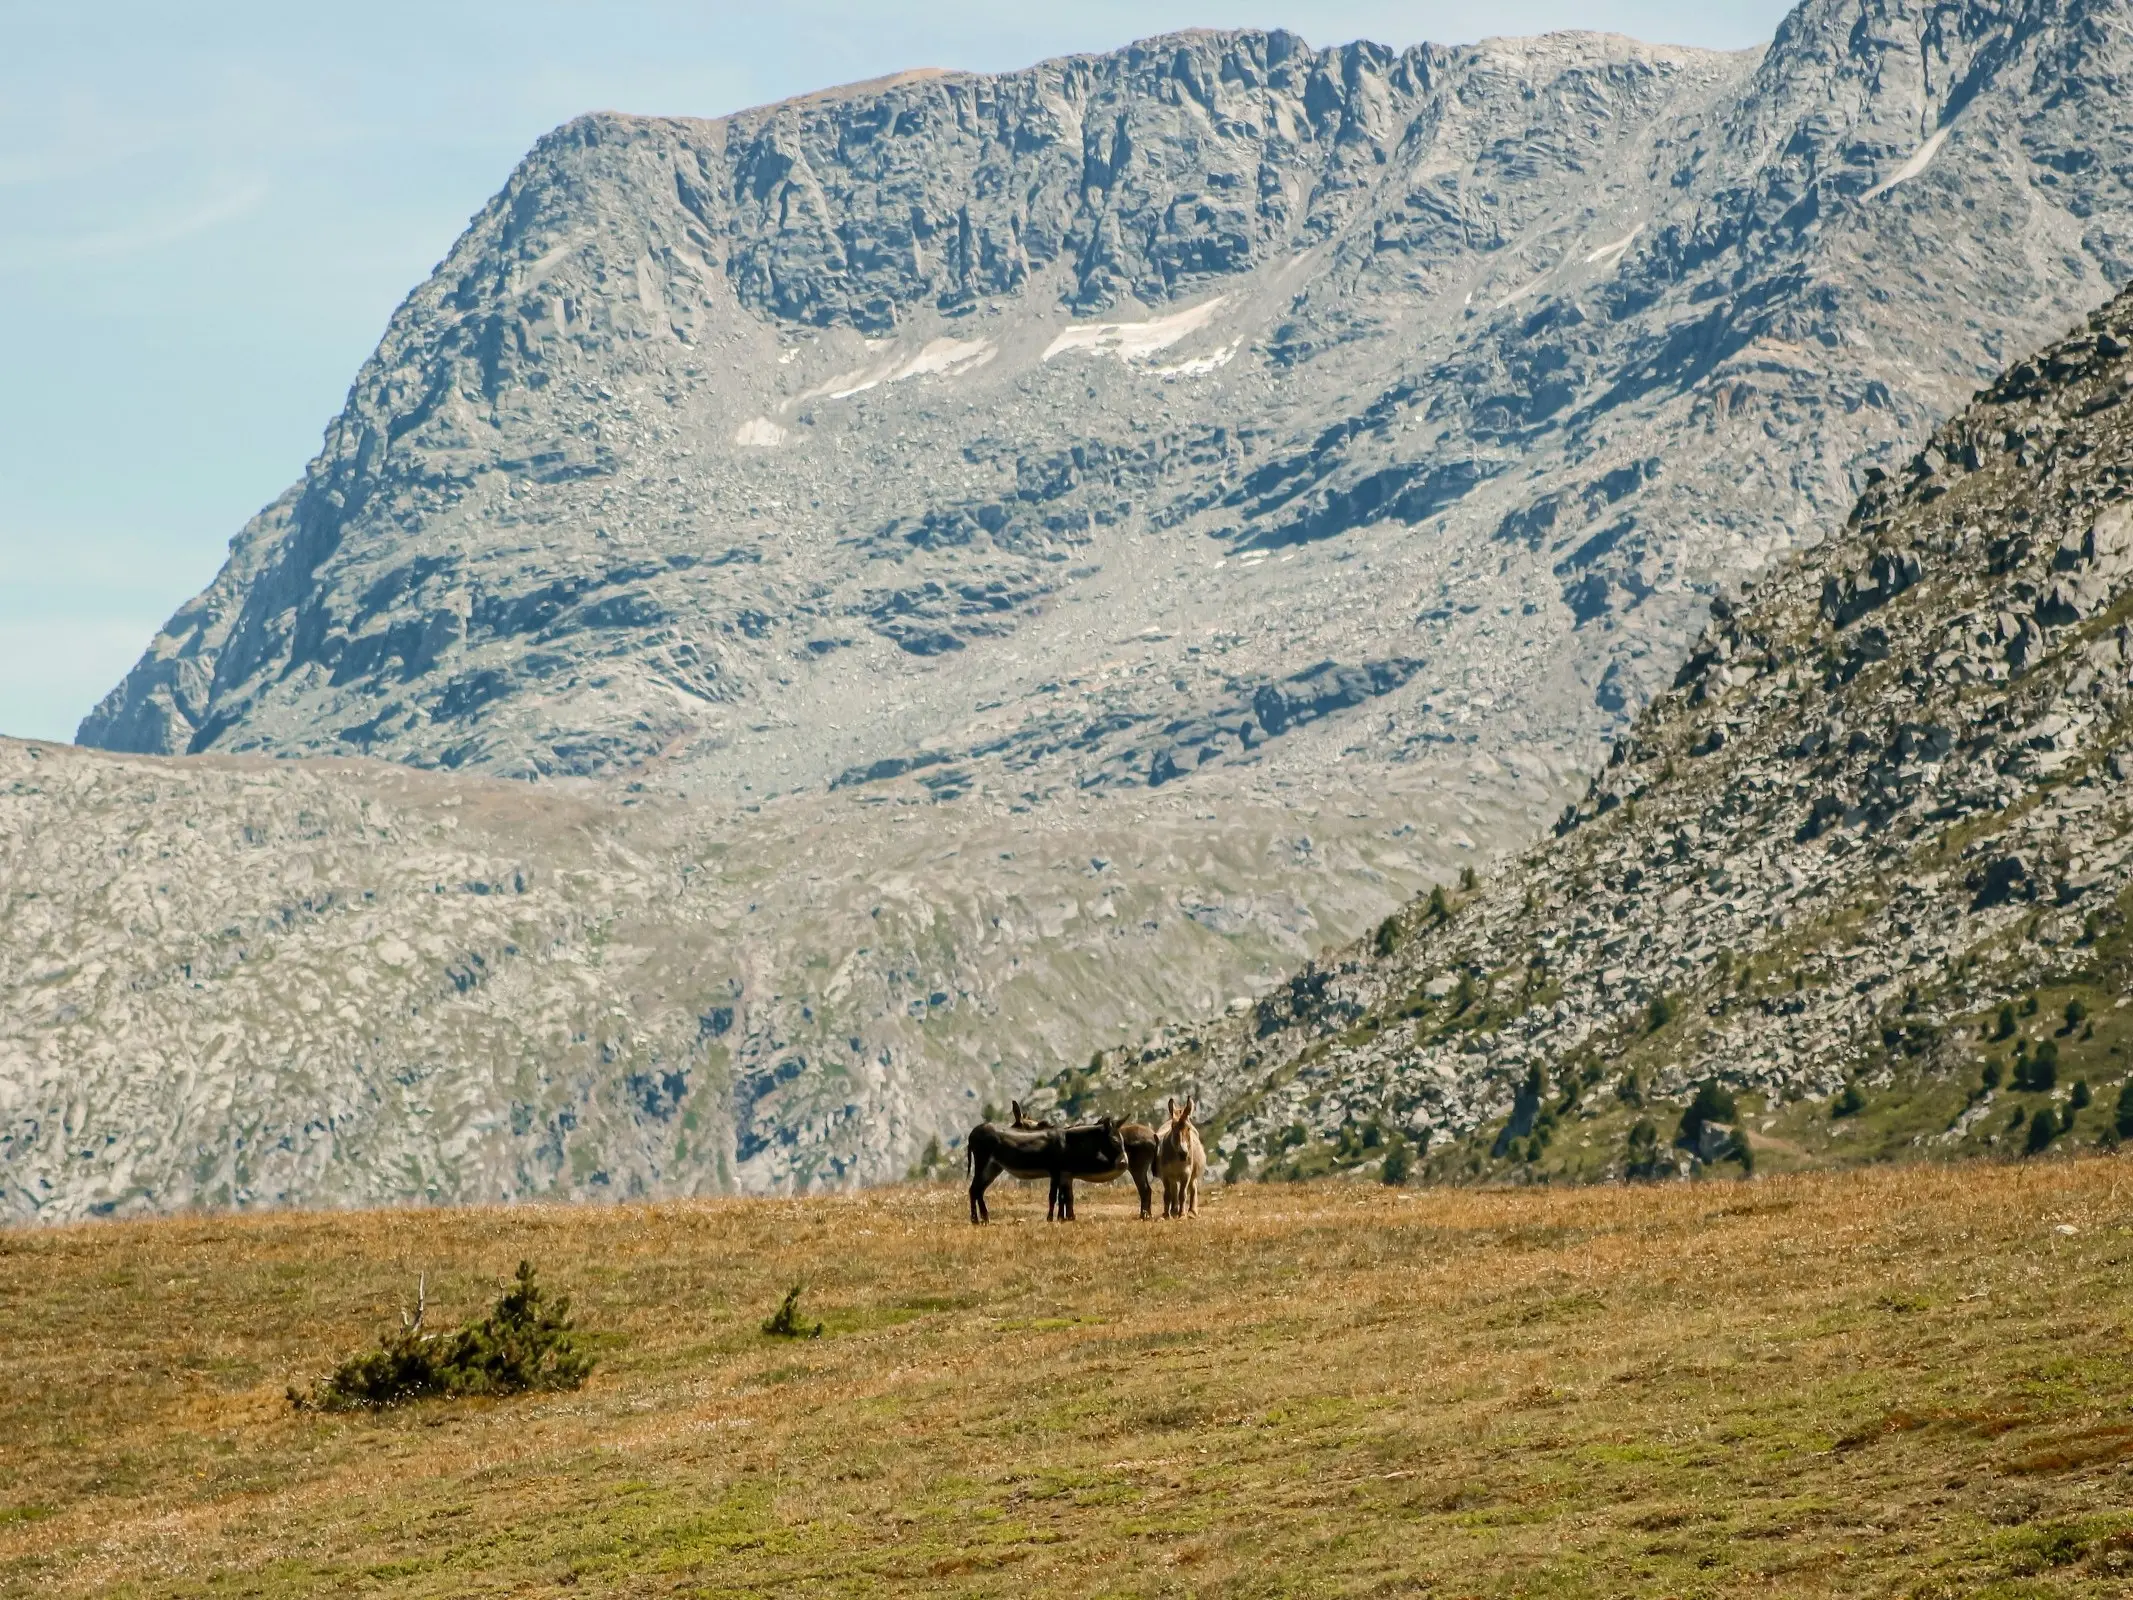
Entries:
{"x":233,"y":981}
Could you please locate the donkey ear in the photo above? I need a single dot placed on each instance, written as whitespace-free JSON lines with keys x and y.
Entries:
{"x":1014,"y":1109}
{"x":1172,"y":1105}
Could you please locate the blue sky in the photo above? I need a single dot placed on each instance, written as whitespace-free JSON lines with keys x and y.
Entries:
{"x":208,"y":211}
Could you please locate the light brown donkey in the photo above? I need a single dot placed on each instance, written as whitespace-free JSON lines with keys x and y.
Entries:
{"x":1181,"y":1160}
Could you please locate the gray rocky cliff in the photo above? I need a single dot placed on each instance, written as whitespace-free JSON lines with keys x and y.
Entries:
{"x":703,"y":425}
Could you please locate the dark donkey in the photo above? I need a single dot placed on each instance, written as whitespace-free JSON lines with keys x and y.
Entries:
{"x":1140,"y":1151}
{"x":1090,"y":1152}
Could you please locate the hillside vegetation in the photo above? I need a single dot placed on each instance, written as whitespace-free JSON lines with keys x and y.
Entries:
{"x":1909,"y":1381}
{"x":1866,"y":868}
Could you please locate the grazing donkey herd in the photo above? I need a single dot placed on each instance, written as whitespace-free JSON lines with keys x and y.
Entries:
{"x":1089,"y":1152}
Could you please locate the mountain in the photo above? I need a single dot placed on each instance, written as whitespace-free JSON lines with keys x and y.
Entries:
{"x":1866,"y":865}
{"x":984,"y":562}
{"x":751,"y":454}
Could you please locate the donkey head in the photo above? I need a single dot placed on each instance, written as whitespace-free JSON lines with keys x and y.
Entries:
{"x":1181,"y":1116}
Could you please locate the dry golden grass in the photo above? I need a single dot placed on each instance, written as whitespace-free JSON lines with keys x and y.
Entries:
{"x":1889,"y":1381}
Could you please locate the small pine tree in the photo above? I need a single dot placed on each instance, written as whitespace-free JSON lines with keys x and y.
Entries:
{"x":2006,"y":1027}
{"x":2081,"y":1096}
{"x":1630,"y":1091}
{"x":787,"y":1323}
{"x":1643,"y":1160}
{"x":2044,"y":1066}
{"x":2123,"y":1120}
{"x":1467,"y":880}
{"x":1991,"y":1076}
{"x":1660,"y":1013}
{"x":1395,"y":1171}
{"x":2043,"y":1129}
{"x":2076,"y":1014}
{"x":1712,"y":1102}
{"x":1739,"y":1149}
{"x":1849,"y":1102}
{"x":929,"y":1159}
{"x":1440,"y":905}
{"x":1388,"y":937}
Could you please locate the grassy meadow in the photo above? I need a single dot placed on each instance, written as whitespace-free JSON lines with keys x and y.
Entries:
{"x":1894,"y":1380}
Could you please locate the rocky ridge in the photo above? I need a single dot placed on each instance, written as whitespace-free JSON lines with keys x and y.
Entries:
{"x":1889,"y":793}
{"x":235,"y":981}
{"x":739,"y":455}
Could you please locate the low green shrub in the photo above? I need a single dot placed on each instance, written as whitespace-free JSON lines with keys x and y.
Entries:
{"x":1739,"y":1149}
{"x":523,"y":1344}
{"x":1712,"y":1102}
{"x":787,"y":1323}
{"x":1644,"y":1159}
